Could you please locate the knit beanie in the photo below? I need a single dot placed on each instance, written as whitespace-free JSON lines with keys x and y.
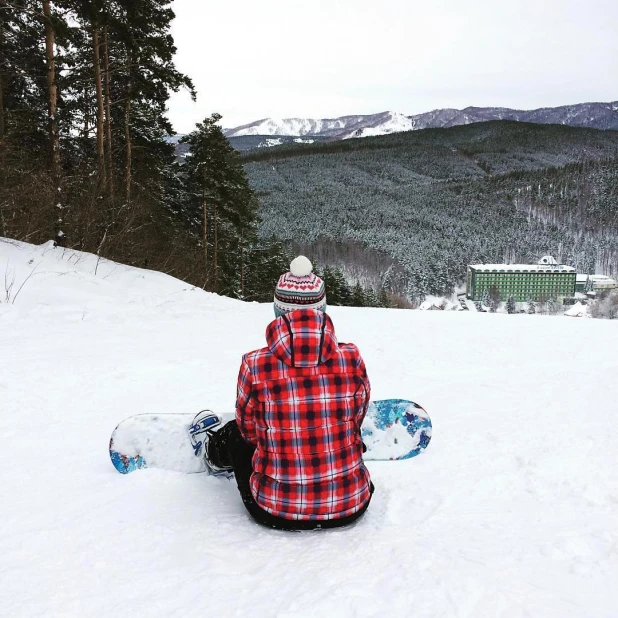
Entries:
{"x":299,"y":289}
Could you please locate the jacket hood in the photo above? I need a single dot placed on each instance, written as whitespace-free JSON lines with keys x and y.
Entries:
{"x":302,"y":338}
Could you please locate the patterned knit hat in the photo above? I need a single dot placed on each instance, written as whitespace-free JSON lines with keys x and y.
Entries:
{"x":299,"y":289}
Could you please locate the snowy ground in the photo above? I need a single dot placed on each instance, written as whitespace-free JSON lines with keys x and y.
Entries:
{"x":512,"y":511}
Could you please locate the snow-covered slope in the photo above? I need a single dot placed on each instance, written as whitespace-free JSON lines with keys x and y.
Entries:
{"x":511,"y":512}
{"x":594,"y":115}
{"x":382,"y":124}
{"x":301,"y":126}
{"x":339,"y":128}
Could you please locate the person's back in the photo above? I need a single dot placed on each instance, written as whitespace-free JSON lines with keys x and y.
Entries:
{"x":301,"y":401}
{"x":295,"y":446}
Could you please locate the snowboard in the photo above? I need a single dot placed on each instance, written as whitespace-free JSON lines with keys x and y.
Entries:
{"x":392,"y":429}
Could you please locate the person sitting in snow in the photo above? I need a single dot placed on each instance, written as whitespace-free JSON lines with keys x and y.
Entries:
{"x":295,"y":446}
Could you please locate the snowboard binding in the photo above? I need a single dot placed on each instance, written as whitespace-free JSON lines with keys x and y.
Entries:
{"x":203,"y":427}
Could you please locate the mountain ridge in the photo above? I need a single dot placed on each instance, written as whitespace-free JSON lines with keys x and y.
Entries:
{"x":597,"y":115}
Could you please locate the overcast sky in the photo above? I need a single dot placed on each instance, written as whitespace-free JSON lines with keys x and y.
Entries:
{"x":252,"y":59}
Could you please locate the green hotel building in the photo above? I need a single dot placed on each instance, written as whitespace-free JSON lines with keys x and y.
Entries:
{"x":538,"y":282}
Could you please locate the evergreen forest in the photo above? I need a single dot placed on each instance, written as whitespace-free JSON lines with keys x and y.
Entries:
{"x":408,"y":212}
{"x":86,"y":157}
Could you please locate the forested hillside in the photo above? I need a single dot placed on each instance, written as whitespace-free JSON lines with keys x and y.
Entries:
{"x":413,"y":209}
{"x":85,"y":152}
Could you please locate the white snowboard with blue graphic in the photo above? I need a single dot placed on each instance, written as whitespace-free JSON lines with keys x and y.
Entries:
{"x":392,"y":429}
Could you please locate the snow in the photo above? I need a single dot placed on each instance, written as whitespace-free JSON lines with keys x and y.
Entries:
{"x":287,"y":127}
{"x":578,"y":310}
{"x":344,"y":127}
{"x":510,"y":512}
{"x":395,"y":123}
{"x":440,"y":302}
{"x":270,"y":142}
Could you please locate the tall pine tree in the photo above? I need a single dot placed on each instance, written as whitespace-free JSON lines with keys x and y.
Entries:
{"x":219,"y":206}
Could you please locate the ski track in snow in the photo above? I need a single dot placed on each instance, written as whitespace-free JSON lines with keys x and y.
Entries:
{"x":510,"y":512}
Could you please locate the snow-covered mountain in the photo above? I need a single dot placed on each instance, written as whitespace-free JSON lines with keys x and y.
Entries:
{"x":593,"y":115}
{"x":337,"y":128}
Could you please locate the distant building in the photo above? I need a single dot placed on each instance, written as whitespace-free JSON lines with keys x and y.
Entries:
{"x":597,"y":283}
{"x":538,"y":282}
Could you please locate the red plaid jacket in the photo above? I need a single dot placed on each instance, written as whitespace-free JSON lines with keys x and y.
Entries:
{"x":301,"y":401}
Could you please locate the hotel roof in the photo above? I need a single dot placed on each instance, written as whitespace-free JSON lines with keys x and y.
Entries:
{"x":518,"y":268}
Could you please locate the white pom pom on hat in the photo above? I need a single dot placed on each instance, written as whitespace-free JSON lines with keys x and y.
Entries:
{"x":301,"y":266}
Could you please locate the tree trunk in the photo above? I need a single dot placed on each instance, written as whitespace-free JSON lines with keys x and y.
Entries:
{"x":52,"y":88}
{"x":215,"y":249}
{"x":127,"y":150}
{"x":2,"y":121}
{"x":2,"y":158}
{"x":108,"y":116}
{"x":86,"y":132}
{"x":54,"y":136}
{"x":100,"y":114}
{"x":127,"y":131}
{"x":242,"y":265}
{"x":205,"y":230}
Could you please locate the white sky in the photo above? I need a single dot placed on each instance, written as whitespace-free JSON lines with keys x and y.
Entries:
{"x":252,"y":59}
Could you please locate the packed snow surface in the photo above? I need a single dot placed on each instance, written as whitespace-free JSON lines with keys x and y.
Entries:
{"x":510,"y":512}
